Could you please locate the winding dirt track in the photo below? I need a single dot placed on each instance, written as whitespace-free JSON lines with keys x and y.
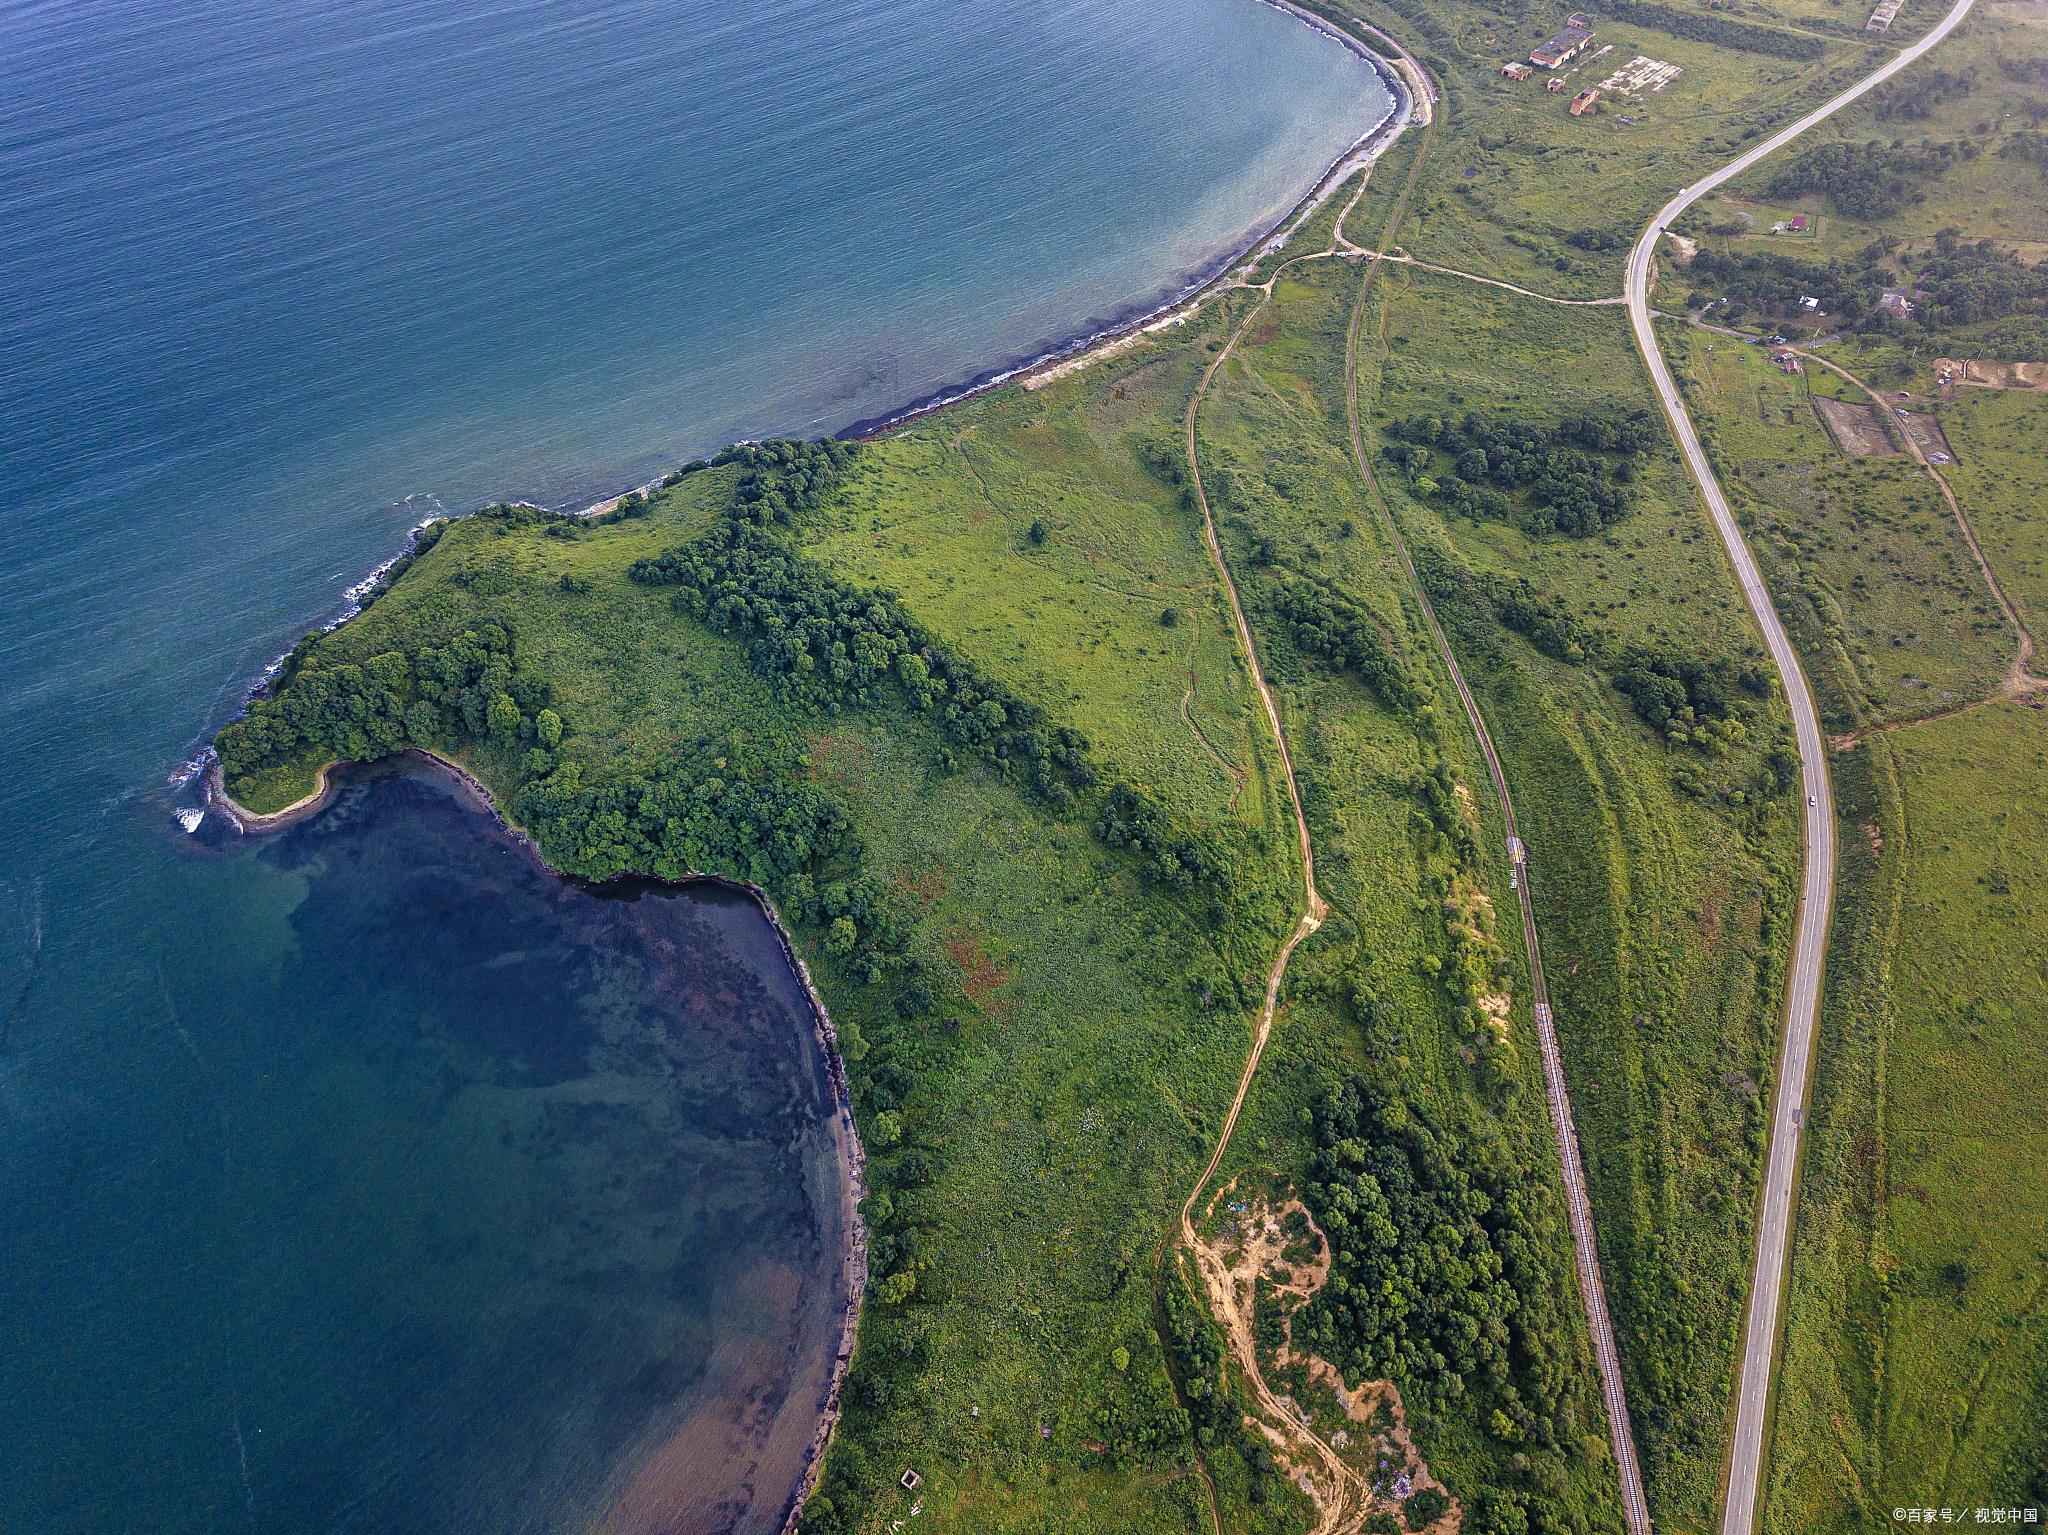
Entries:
{"x":1313,"y":906}
{"x":1348,"y":1501}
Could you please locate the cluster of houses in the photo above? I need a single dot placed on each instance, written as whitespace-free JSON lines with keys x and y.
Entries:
{"x":1557,"y":52}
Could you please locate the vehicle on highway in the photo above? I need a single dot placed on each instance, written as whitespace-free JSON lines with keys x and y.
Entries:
{"x":1811,"y":800}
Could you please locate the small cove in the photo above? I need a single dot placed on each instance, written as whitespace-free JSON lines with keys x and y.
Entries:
{"x":430,"y":1128}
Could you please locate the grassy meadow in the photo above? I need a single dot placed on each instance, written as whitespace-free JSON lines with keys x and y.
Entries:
{"x":2002,"y":481}
{"x":1661,"y":877}
{"x":1862,"y":553}
{"x":1916,"y":1360}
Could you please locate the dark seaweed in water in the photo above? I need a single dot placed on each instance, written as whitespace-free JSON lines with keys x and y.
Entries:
{"x":529,"y":1209}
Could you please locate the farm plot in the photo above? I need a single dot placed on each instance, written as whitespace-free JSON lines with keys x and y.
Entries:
{"x":1855,"y":428}
{"x":1926,"y":434}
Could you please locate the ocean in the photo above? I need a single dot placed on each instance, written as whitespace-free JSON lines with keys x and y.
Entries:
{"x":306,"y":1228}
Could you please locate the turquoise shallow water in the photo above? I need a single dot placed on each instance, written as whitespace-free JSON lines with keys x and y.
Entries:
{"x":275,"y":282}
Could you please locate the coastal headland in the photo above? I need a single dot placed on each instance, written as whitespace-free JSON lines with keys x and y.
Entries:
{"x":1091,"y":341}
{"x":1126,"y":758}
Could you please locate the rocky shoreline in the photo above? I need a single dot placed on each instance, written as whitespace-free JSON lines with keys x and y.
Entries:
{"x":846,"y":1135}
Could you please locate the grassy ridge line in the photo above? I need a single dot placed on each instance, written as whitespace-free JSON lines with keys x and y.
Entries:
{"x":1592,"y":1290}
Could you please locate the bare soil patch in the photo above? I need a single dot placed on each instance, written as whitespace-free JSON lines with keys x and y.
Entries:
{"x":1926,"y":434}
{"x":1855,"y":428}
{"x":1985,"y":374}
{"x":1365,"y":1466}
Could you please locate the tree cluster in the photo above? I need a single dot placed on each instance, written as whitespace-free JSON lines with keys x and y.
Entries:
{"x":1445,"y":1275}
{"x":1870,"y":181}
{"x":469,"y":689}
{"x":1723,"y":31}
{"x":825,"y":642}
{"x":1547,"y":620}
{"x":1598,"y":239}
{"x":846,"y":1492}
{"x":784,"y":478}
{"x":1322,"y":622}
{"x":670,"y":821}
{"x":2027,"y":144}
{"x":1774,"y":281}
{"x":1171,"y":856}
{"x":1546,"y":479}
{"x":1708,"y":704}
{"x":1693,"y":702}
{"x":1964,"y":284}
{"x":1919,"y":91}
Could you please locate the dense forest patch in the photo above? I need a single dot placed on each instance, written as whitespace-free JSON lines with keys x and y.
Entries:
{"x":1447,"y":1279}
{"x":1569,"y":478}
{"x":1870,"y":181}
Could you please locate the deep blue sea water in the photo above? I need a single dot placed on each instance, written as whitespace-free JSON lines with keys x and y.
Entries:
{"x":276,"y":281}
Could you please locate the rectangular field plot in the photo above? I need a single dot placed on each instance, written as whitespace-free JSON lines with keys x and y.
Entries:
{"x":1855,"y":428}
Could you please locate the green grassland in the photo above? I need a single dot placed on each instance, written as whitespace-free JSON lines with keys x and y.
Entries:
{"x":1865,"y":560}
{"x":1063,"y":1089}
{"x":944,"y":515}
{"x":1080,"y":611}
{"x":2000,"y":478}
{"x":1916,"y":1360}
{"x":1041,"y":1054}
{"x":1913,"y":1369}
{"x":1520,"y":174}
{"x":1660,"y":878}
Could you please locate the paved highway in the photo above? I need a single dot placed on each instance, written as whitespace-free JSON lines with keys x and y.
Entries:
{"x":1809,"y":943}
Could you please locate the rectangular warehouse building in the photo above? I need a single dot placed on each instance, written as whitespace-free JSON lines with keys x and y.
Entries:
{"x":1562,"y":49}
